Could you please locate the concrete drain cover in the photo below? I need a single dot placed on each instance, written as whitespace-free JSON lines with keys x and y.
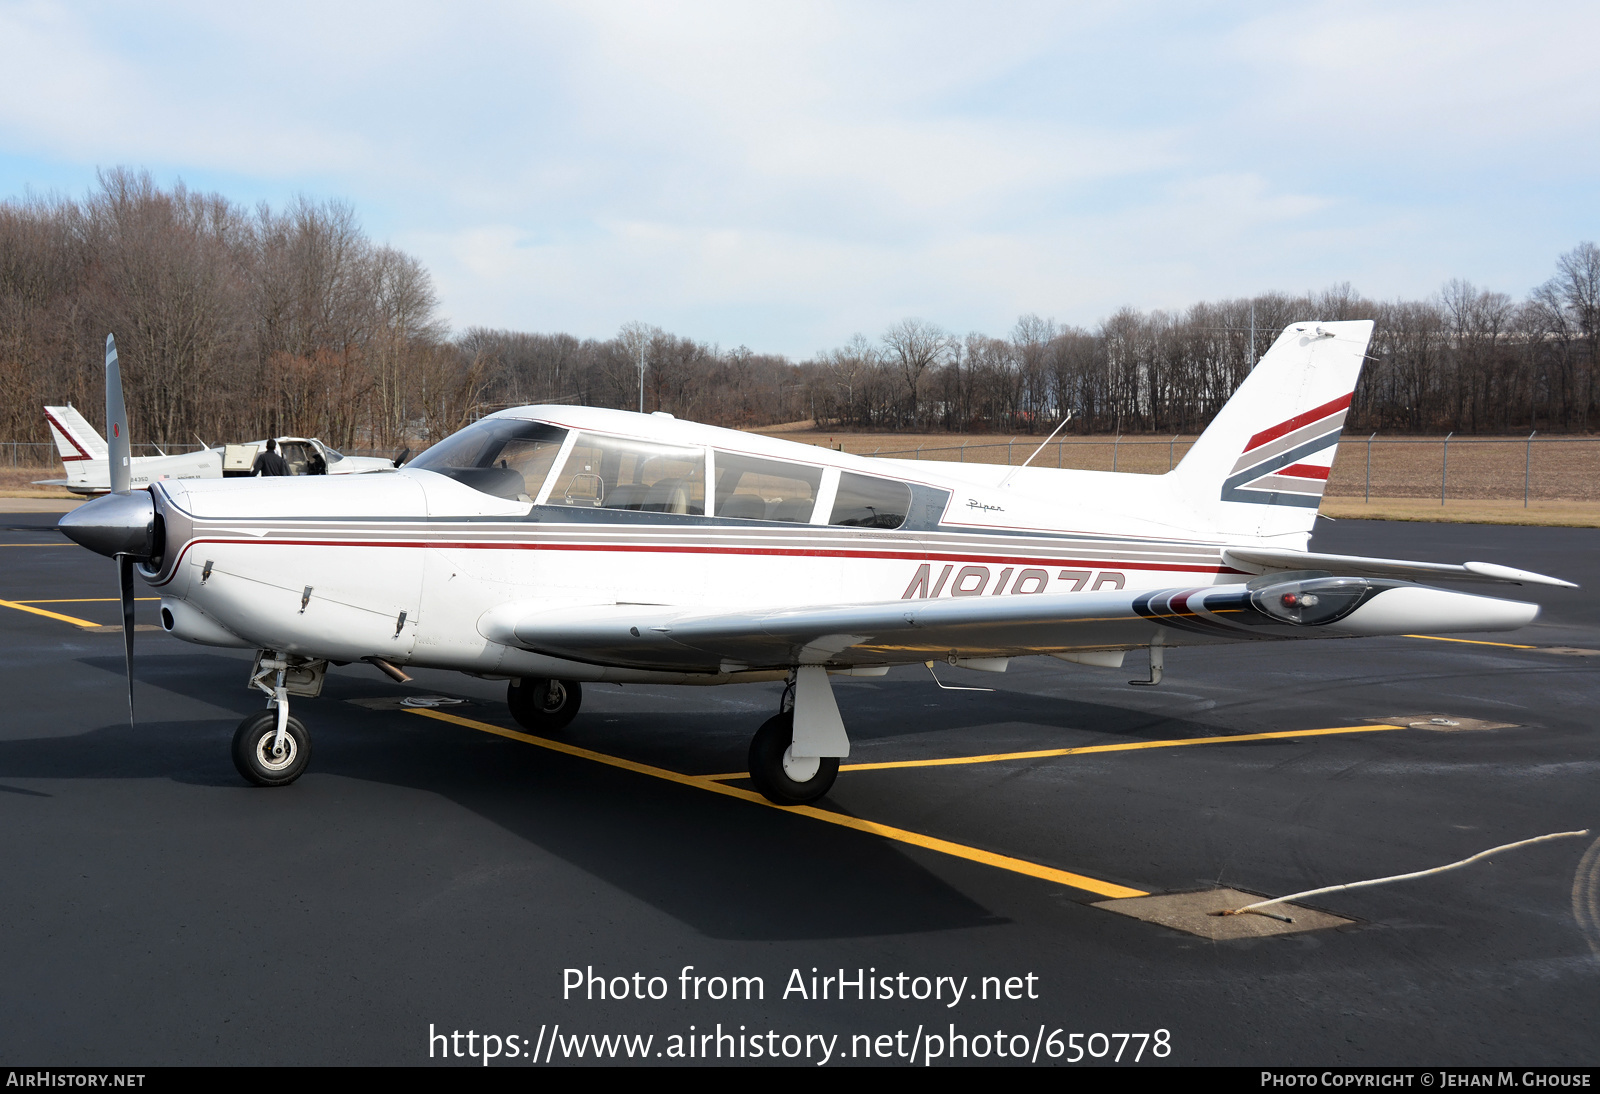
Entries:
{"x":1442,"y":723}
{"x":409,"y":702}
{"x":1191,"y":913}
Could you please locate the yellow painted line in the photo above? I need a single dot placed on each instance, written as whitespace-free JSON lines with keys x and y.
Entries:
{"x":1045,"y":753}
{"x":1470,"y":641}
{"x":901,"y":835}
{"x":86,"y":600}
{"x":74,"y":620}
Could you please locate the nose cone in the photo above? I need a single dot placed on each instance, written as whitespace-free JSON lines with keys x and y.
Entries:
{"x":117,"y":524}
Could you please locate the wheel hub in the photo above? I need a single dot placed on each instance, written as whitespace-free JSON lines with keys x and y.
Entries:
{"x":801,"y":769}
{"x":275,"y":759}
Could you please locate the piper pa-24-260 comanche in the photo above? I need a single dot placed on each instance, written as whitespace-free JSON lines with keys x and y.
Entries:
{"x":553,"y":546}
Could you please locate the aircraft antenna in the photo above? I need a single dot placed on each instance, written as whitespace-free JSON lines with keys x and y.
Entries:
{"x":1040,"y":449}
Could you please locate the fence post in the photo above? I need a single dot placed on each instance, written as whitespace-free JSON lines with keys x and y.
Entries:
{"x":1444,"y":474}
{"x":1058,"y":452}
{"x":1009,"y":443}
{"x":919,"y":453}
{"x":1170,"y":443}
{"x":1369,"y":468}
{"x":963,"y":452}
{"x":1114,"y":446}
{"x":1527,"y":466}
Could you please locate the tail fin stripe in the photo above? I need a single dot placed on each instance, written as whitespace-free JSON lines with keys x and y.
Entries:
{"x":1300,"y":420}
{"x":1289,"y":442}
{"x":1306,"y":471}
{"x":1231,"y":487}
{"x":66,"y":435}
{"x":1292,"y":486}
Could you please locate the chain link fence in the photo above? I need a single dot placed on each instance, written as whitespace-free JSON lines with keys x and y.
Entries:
{"x":1529,"y":468}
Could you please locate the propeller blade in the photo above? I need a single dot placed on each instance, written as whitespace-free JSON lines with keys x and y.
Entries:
{"x":404,"y":452}
{"x":117,"y":423}
{"x":125,"y":584}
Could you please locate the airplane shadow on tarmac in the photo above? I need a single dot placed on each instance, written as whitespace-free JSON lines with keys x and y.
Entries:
{"x":768,"y":875}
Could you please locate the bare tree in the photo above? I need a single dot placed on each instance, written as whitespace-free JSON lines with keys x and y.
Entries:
{"x":915,"y":346}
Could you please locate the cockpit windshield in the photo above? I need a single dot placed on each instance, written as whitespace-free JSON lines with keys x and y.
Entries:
{"x":506,"y":457}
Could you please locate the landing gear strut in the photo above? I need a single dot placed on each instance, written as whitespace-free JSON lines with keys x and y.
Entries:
{"x":544,"y":706}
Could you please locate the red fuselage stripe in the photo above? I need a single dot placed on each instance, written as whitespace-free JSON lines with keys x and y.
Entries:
{"x":912,"y":556}
{"x":1341,"y":403}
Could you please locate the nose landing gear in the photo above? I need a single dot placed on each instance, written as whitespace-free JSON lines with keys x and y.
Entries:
{"x":265,"y":760}
{"x":272,"y":747}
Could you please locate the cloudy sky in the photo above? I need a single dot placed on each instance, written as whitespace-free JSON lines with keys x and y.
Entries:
{"x":785,"y":175}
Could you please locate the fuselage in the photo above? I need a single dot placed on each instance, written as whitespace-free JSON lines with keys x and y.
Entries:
{"x":611,"y":507}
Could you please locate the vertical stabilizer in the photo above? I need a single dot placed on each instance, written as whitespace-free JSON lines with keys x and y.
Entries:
{"x":1261,"y":466}
{"x":75,"y":438}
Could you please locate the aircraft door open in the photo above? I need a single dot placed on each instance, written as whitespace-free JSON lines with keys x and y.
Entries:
{"x":297,"y":454}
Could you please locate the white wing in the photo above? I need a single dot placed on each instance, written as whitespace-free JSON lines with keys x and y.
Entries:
{"x":902,"y":631}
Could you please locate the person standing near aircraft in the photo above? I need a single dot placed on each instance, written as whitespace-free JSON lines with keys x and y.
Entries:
{"x":269,"y":462}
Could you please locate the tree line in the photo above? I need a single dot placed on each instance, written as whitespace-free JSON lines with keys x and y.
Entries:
{"x":236,"y":322}
{"x":1467,"y":359}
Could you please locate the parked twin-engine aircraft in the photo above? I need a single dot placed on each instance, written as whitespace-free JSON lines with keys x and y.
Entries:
{"x":553,"y":546}
{"x":84,"y":457}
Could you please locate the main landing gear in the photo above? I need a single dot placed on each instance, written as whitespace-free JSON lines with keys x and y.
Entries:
{"x":794,"y":756}
{"x":781,"y":776}
{"x":544,"y":706}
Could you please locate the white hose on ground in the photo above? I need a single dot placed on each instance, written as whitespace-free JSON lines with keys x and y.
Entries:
{"x":1398,"y":877}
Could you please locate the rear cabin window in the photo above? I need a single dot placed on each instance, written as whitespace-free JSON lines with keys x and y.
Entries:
{"x":506,"y":457}
{"x":757,"y":489}
{"x":617,"y":473}
{"x":867,"y":502}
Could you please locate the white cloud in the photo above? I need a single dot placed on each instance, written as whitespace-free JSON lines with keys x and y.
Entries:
{"x":784,"y":175}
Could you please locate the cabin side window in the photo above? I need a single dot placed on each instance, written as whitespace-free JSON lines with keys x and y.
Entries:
{"x":867,"y":502}
{"x":757,"y":489}
{"x":619,"y":473}
{"x":506,"y":457}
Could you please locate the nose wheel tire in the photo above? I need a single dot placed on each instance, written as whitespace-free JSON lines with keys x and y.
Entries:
{"x":782,"y":777}
{"x":253,"y":752}
{"x":544,"y":706}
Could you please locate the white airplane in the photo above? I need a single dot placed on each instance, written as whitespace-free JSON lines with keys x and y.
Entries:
{"x":84,"y":457}
{"x":553,"y":546}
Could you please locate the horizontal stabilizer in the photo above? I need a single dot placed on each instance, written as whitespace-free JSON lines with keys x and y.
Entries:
{"x":1261,"y":560}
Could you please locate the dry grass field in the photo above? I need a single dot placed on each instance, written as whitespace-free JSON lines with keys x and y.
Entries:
{"x":1485,"y":481}
{"x":1485,"y":474}
{"x":17,"y":482}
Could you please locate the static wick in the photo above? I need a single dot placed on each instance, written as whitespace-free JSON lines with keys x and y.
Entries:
{"x":1258,"y":905}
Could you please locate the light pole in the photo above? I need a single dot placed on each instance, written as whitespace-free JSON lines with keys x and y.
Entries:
{"x":641,"y":376}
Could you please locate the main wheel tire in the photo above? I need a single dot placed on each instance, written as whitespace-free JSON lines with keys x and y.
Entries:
{"x":252,"y":749}
{"x":778,"y":775}
{"x":544,"y":706}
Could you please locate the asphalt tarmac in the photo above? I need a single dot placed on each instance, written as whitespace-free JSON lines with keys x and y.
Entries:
{"x":430,"y":877}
